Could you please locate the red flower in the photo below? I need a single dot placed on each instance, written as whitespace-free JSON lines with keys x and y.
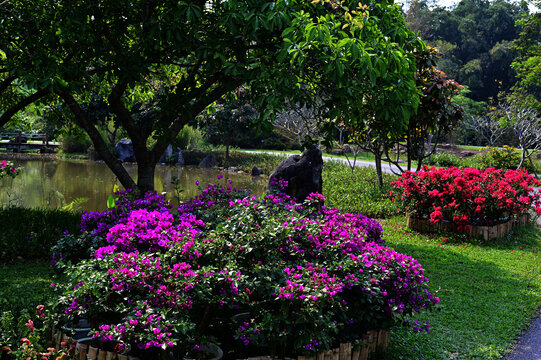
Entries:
{"x":30,"y":324}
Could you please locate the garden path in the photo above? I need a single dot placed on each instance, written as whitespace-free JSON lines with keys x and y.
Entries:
{"x":529,"y":345}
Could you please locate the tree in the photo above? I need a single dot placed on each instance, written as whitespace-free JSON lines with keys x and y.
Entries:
{"x":185,"y":55}
{"x":486,"y":128}
{"x":474,"y":38}
{"x":231,"y":118}
{"x":528,"y":61}
{"x":436,"y":114}
{"x":300,"y":124}
{"x":524,"y":121}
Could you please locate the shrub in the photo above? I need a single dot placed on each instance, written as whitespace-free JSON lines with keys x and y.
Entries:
{"x":446,"y":160}
{"x":468,"y":196}
{"x":242,"y":160}
{"x":257,"y":275}
{"x":506,"y":157}
{"x":75,"y":144}
{"x":32,"y":233}
{"x":189,"y":138}
{"x":73,"y":247}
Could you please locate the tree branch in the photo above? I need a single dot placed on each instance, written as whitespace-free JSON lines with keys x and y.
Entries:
{"x":101,"y":147}
{"x":9,"y":113}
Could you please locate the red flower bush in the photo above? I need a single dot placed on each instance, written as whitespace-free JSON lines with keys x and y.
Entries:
{"x":468,"y":196}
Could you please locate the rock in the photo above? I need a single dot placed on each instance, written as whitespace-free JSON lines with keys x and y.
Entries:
{"x":167,"y":156}
{"x":302,"y":172}
{"x":172,"y":155}
{"x":208,"y":162}
{"x":233,"y":169}
{"x":180,"y":158}
{"x":125,"y":150}
{"x":256,"y":171}
{"x":468,"y":153}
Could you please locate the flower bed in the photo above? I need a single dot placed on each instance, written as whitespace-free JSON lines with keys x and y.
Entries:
{"x":305,"y":277}
{"x":468,"y":197}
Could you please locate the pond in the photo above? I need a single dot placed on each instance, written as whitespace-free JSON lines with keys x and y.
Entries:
{"x":57,"y":183}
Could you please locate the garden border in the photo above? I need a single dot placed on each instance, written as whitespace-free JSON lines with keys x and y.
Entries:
{"x":371,"y":343}
{"x":487,"y":232}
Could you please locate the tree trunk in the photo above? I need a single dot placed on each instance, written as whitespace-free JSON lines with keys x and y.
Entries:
{"x":379,"y":171}
{"x":145,"y":175}
{"x":227,"y":151}
{"x":522,"y":158}
{"x":112,"y":162}
{"x":409,"y":150}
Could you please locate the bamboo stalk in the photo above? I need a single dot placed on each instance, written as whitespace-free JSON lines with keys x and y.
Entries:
{"x":328,"y":355}
{"x":336,"y":354}
{"x":102,"y":354}
{"x":92,"y":353}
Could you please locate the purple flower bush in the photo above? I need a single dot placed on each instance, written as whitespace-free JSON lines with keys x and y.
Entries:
{"x":95,"y":226}
{"x":254,"y":275}
{"x":99,"y":223}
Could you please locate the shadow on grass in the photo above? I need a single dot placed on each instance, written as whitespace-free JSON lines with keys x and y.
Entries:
{"x":488,"y":295}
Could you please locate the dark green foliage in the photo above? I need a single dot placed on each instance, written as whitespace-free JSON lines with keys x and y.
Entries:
{"x":75,"y":144}
{"x":232,"y":124}
{"x":357,"y":191}
{"x":30,"y":233}
{"x":475,"y":38}
{"x":528,"y":62}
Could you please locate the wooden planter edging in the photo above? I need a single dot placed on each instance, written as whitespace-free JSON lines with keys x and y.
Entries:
{"x":372,"y":342}
{"x":486,"y":232}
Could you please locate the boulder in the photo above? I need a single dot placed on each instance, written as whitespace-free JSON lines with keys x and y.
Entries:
{"x":208,"y":162}
{"x":256,"y":171}
{"x":167,"y":155}
{"x":180,"y":158}
{"x":348,"y":149}
{"x":302,"y":173}
{"x":125,"y":152}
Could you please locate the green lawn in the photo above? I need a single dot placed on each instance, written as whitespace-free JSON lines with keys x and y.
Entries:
{"x":489,"y":293}
{"x":24,"y":285}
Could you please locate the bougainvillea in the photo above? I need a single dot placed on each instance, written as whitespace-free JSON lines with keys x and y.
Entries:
{"x":468,"y":196}
{"x":257,"y":273}
{"x":99,"y":223}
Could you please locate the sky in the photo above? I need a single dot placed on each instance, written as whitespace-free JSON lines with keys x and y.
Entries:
{"x":446,"y":3}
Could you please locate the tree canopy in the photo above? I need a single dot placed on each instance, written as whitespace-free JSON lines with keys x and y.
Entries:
{"x":182,"y":56}
{"x":475,"y":38}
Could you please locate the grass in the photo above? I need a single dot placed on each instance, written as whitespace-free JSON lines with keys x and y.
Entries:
{"x":489,"y":293}
{"x":364,"y":156}
{"x":24,"y":285}
{"x":356,"y":191}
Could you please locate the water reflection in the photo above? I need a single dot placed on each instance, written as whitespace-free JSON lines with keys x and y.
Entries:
{"x":56,"y":183}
